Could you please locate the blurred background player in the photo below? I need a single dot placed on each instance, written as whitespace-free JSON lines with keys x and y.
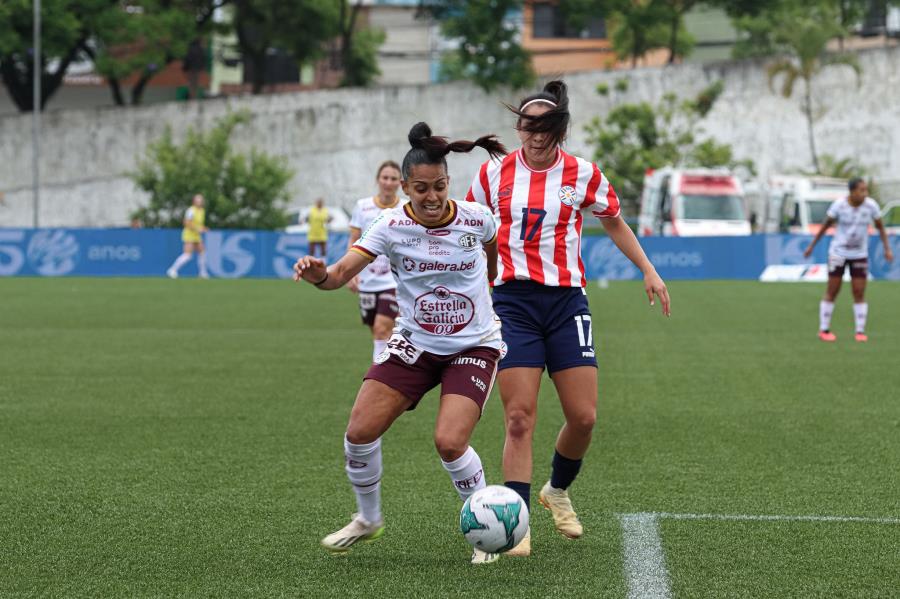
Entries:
{"x":850,"y":248}
{"x":449,"y":334}
{"x":538,"y":193}
{"x":317,"y":236}
{"x":191,"y":235}
{"x":375,"y":284}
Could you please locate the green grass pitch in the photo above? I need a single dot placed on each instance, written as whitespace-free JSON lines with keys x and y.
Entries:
{"x":183,"y":438}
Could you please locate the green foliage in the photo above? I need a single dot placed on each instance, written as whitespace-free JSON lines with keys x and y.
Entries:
{"x":242,"y":192}
{"x":635,"y":137}
{"x":361,"y":62}
{"x":489,"y":52}
{"x":602,"y":89}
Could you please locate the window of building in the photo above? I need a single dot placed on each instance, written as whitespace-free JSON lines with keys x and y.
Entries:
{"x":549,"y":22}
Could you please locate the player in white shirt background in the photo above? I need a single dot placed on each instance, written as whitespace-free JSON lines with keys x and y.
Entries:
{"x":447,"y":332}
{"x":375,"y":284}
{"x":538,"y":193}
{"x":849,"y":249}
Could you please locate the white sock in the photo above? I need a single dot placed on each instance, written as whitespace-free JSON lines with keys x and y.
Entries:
{"x":860,"y":312}
{"x":180,"y":261}
{"x":201,"y":261}
{"x":379,"y":346}
{"x":825,"y":310}
{"x":466,"y":473}
{"x":363,"y":468}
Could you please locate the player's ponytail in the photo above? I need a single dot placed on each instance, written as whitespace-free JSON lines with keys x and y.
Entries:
{"x":555,"y":122}
{"x":426,"y":148}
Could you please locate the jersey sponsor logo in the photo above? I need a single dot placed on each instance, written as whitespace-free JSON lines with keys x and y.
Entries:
{"x":470,"y":361}
{"x":402,"y":348}
{"x":438,"y":232}
{"x":443,"y":312}
{"x":435,"y":249}
{"x":409,"y":264}
{"x":444,"y":267}
{"x":482,"y":386}
{"x":567,"y":195}
{"x":468,"y":241}
{"x":504,"y":193}
{"x":403,"y":222}
{"x":412,"y":242}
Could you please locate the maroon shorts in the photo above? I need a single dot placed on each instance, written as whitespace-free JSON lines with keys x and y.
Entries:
{"x":859,"y":267}
{"x":380,"y":302}
{"x":414,"y":372}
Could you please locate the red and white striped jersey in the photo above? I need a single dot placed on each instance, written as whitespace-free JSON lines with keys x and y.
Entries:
{"x":539,"y":212}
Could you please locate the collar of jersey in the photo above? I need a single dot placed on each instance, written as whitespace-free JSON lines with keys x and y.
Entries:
{"x":409,"y":212}
{"x":378,"y":205}
{"x":521,"y":159}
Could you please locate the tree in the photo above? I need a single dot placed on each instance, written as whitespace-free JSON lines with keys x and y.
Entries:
{"x":66,"y":27}
{"x":639,"y":26}
{"x":359,"y":47}
{"x":633,"y":138}
{"x":805,"y":37}
{"x":241,"y":192}
{"x":145,"y":37}
{"x":489,"y":51}
{"x":680,"y":42}
{"x":300,"y":27}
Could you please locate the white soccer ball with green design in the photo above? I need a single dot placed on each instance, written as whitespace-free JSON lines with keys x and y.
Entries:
{"x":494,"y":519}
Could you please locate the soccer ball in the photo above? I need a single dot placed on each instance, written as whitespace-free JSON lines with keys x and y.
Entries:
{"x":494,"y":519}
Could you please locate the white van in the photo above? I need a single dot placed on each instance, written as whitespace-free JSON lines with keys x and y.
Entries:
{"x":797,"y":203}
{"x":692,"y":203}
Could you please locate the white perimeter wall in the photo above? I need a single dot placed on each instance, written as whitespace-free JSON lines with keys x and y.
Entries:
{"x":335,"y":139}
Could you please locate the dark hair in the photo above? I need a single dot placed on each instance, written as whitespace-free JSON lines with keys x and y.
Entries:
{"x":554,"y":122}
{"x":432,"y":149}
{"x":853,"y":183}
{"x":386,"y":164}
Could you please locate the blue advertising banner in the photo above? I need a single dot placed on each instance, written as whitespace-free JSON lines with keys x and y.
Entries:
{"x":235,"y":254}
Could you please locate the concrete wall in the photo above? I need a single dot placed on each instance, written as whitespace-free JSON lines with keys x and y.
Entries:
{"x":335,"y":139}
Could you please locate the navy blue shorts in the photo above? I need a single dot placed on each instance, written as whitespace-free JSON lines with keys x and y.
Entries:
{"x":544,"y":326}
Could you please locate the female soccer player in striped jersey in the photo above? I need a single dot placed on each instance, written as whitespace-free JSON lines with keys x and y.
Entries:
{"x":538,"y":194}
{"x":375,"y":284}
{"x":447,"y":332}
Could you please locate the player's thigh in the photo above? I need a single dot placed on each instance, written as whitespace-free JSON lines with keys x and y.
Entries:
{"x":188,"y":247}
{"x":377,"y":406}
{"x":200,"y":247}
{"x":577,"y":390}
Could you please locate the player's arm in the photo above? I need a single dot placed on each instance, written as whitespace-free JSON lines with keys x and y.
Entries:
{"x":313,"y":270}
{"x":490,"y":252}
{"x":882,"y":232}
{"x":355,"y":234}
{"x":829,"y":222}
{"x":622,"y":235}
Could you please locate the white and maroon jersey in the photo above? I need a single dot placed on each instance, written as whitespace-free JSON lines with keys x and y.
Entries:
{"x":377,"y":276}
{"x":441,"y":271}
{"x":851,"y":236}
{"x":539,"y":238}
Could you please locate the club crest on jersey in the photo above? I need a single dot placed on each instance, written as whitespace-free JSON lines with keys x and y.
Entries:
{"x":468,"y":242}
{"x":567,"y":195}
{"x":443,"y":312}
{"x":409,"y":264}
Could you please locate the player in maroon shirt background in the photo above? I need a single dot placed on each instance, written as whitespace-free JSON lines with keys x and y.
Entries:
{"x":537,"y":193}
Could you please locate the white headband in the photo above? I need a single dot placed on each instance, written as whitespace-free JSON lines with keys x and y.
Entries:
{"x":527,"y":104}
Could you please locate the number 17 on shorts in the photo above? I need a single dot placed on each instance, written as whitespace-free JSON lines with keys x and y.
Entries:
{"x":585,"y":335}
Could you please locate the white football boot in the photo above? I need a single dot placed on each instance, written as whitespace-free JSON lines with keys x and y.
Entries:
{"x":564,"y":516}
{"x":358,"y":530}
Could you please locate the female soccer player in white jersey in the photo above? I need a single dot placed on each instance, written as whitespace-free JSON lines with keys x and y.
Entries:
{"x":375,"y":284}
{"x":538,"y":193}
{"x":447,"y":332}
{"x":850,"y":248}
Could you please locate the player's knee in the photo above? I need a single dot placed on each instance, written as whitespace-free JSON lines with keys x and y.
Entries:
{"x":450,"y":446}
{"x":358,"y":435}
{"x":519,"y":424}
{"x":583,"y":422}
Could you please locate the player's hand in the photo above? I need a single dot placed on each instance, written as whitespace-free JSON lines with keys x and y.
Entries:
{"x":654,"y":285}
{"x":353,"y":284}
{"x":310,"y":269}
{"x":888,"y":254}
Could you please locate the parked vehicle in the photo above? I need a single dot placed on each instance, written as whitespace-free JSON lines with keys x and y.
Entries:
{"x":798,"y":203}
{"x":692,"y":203}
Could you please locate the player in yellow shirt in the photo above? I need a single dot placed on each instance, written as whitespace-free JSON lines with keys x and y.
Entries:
{"x":194,"y":226}
{"x":317,"y":237}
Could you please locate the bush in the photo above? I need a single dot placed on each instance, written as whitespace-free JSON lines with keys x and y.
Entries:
{"x":241,"y":191}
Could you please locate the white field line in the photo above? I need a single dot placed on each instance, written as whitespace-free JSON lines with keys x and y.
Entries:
{"x":645,"y":561}
{"x":776,"y":518}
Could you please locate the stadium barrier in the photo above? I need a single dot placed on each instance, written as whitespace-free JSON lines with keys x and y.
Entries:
{"x":266,"y":254}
